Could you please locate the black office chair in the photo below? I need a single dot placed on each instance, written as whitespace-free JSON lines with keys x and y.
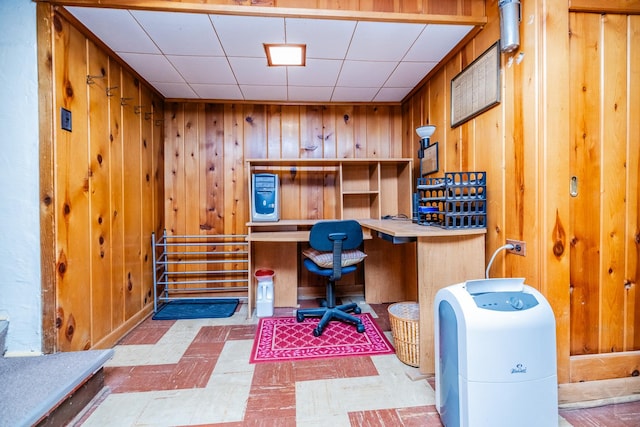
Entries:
{"x":334,"y":252}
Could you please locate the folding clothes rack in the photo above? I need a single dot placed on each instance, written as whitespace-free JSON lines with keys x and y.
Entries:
{"x":199,"y":266}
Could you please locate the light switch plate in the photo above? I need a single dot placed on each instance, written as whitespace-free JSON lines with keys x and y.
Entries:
{"x":65,"y":119}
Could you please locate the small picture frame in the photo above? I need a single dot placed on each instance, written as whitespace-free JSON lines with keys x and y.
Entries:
{"x":430,"y":159}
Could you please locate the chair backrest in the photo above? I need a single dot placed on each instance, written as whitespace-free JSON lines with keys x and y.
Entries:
{"x":319,"y":236}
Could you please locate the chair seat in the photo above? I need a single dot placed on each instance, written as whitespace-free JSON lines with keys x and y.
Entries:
{"x":327,"y":272}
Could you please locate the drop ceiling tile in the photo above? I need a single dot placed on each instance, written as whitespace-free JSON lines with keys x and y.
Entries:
{"x":365,"y":73}
{"x":175,"y":90}
{"x":325,"y":38}
{"x":383,"y":41}
{"x":409,"y":74}
{"x":255,"y":71}
{"x":154,"y":68}
{"x":180,"y":33}
{"x":317,"y":72}
{"x":245,"y":35}
{"x":116,"y":28}
{"x":436,"y":41}
{"x":310,"y":93}
{"x":392,"y":94}
{"x":252,"y":93}
{"x":228,"y":92}
{"x":203,"y":69}
{"x":353,"y":94}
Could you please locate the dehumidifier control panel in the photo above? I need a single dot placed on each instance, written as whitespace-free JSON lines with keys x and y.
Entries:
{"x":505,"y":301}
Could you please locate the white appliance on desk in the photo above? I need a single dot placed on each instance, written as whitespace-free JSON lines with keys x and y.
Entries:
{"x":495,"y":354}
{"x":265,"y":197}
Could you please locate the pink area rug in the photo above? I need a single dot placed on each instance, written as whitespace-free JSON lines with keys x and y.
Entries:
{"x":283,"y":338}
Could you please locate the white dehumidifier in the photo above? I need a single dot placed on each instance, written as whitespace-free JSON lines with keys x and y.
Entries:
{"x":495,"y":348}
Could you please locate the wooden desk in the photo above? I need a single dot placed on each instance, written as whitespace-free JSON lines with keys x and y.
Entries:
{"x":443,"y":258}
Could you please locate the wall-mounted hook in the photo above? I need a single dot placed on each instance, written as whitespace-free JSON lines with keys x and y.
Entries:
{"x":148,"y":115}
{"x":123,"y":101}
{"x":138,"y":109}
{"x":90,"y":79}
{"x":158,"y":122}
{"x":110,"y":90}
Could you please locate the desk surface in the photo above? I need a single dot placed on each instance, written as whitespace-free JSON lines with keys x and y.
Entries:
{"x":404,"y":228}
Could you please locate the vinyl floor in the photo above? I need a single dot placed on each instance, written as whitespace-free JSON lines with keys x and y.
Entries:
{"x":197,"y":373}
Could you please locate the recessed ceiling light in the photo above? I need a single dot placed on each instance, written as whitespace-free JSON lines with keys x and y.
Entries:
{"x":285,"y":54}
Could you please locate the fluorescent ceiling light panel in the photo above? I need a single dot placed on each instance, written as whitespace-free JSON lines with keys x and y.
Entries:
{"x":285,"y":54}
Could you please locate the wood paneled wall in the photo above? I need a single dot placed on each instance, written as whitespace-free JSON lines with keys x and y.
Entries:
{"x":605,"y":158}
{"x":104,"y":193}
{"x":569,"y":108}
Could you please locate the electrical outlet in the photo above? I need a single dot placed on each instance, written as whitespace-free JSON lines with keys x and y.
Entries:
{"x":519,"y":247}
{"x":65,"y":119}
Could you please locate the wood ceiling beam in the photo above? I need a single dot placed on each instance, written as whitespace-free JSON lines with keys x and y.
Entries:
{"x":225,"y":9}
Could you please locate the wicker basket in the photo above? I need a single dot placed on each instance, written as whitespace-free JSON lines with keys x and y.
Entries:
{"x":404,"y":318}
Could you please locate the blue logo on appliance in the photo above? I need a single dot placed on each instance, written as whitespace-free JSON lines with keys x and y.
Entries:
{"x":519,"y":369}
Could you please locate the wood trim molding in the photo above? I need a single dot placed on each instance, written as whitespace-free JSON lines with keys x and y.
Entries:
{"x":605,"y":365}
{"x":198,"y":7}
{"x":630,"y":7}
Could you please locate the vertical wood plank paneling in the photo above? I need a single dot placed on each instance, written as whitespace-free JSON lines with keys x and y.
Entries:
{"x":147,"y":200}
{"x":344,"y":132}
{"x":190,"y":169}
{"x":328,"y":123}
{"x":274,"y":135}
{"x":290,"y":128}
{"x":438,"y":89}
{"x":360,"y":132}
{"x":255,"y":131}
{"x":173,"y":171}
{"x":157,"y":159}
{"x":614,"y":138}
{"x":235,"y":197}
{"x":311,"y":133}
{"x":585,"y":92}
{"x":101,"y":235}
{"x":132,"y":192}
{"x":72,"y":228}
{"x":632,"y":276}
{"x":99,"y":195}
{"x":214,"y":172}
{"x":46,"y":151}
{"x":116,"y":213}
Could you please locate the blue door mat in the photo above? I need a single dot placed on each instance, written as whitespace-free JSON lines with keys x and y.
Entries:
{"x":196,"y":309}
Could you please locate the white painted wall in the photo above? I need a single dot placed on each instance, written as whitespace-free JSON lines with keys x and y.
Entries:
{"x":20,"y":299}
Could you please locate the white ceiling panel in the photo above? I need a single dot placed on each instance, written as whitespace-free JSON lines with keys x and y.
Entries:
{"x":436,"y":41}
{"x":311,"y":94}
{"x":116,"y":28}
{"x":382,"y":41}
{"x":244,"y":36}
{"x":325,"y":39}
{"x":365,"y":73}
{"x":175,"y":90}
{"x":228,"y":92}
{"x":353,"y":94}
{"x":154,"y":68}
{"x":275,"y":93}
{"x":255,"y":71}
{"x":204,"y":69}
{"x":180,"y":33}
{"x":317,"y":72}
{"x":391,"y":94}
{"x":409,"y":74}
{"x":221,"y":57}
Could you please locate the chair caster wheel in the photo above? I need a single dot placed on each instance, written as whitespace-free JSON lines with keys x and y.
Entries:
{"x":317,"y":332}
{"x":299,"y":317}
{"x":360,"y":327}
{"x":357,"y":310}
